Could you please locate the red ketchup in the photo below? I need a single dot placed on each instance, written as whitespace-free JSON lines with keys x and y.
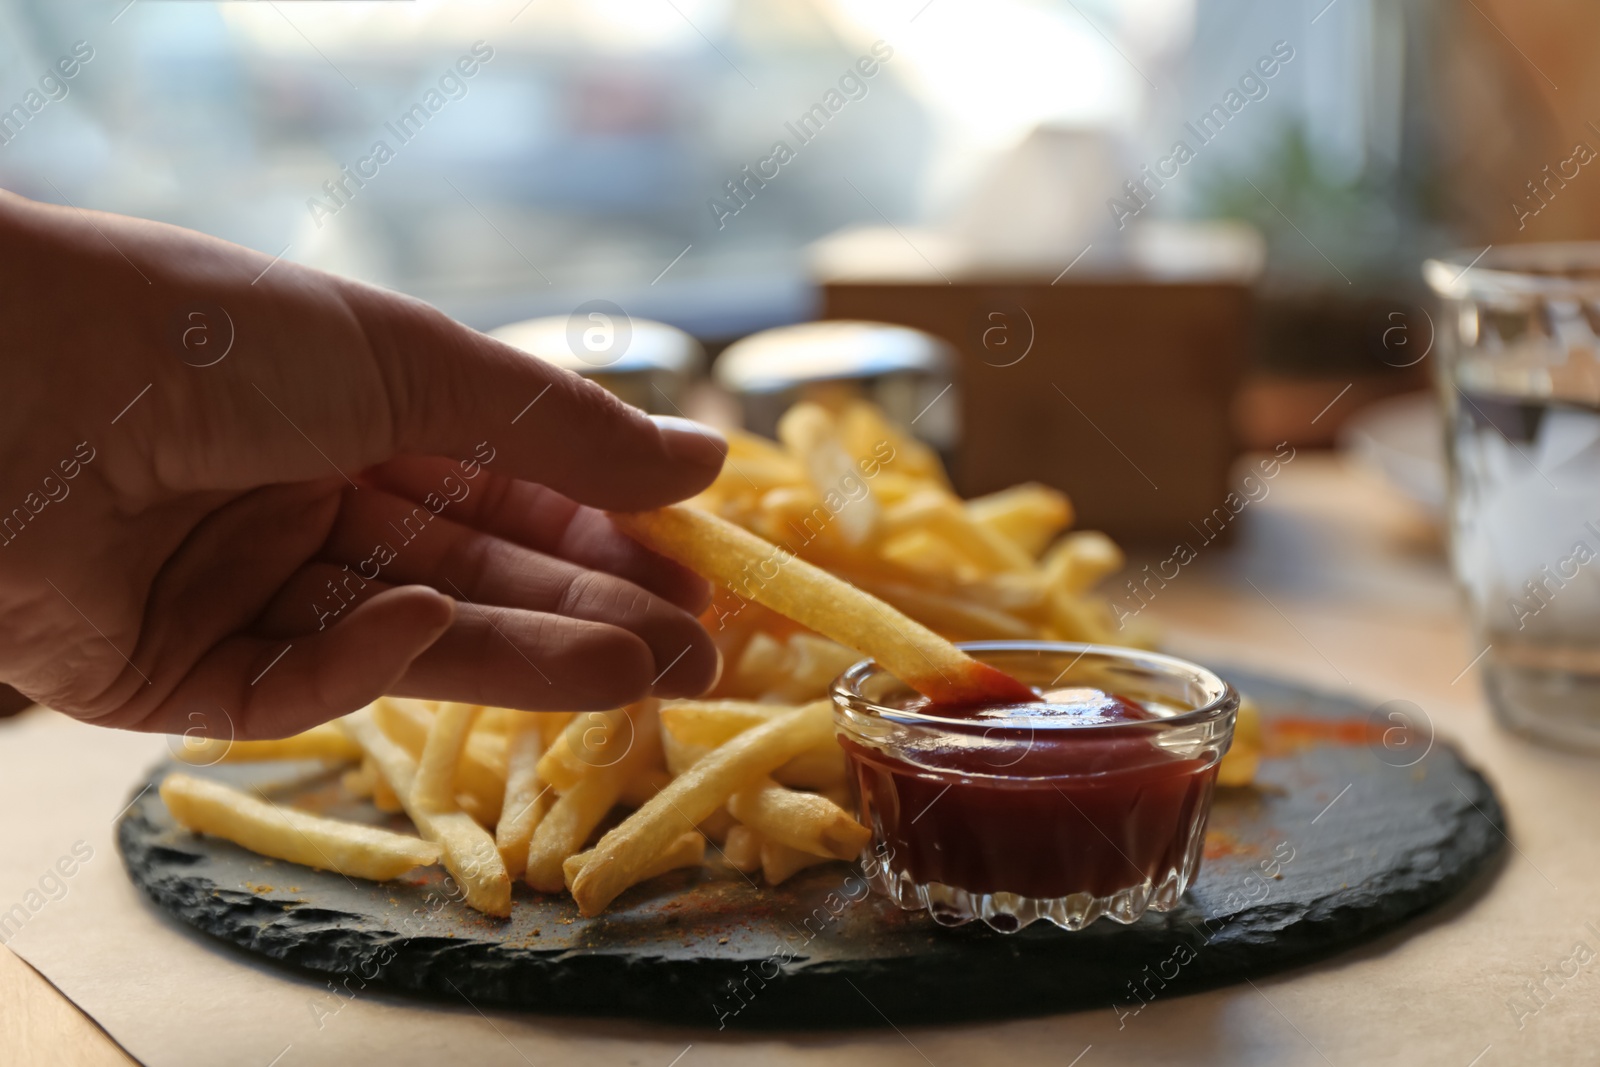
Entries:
{"x":1027,"y":799}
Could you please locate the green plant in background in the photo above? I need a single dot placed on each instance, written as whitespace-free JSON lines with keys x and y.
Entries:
{"x":1342,"y":253}
{"x":1367,"y":232}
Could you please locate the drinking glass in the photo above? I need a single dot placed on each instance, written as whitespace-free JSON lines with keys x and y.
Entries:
{"x":1519,"y":376}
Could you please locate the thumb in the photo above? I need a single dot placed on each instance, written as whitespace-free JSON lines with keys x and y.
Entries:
{"x":455,"y":392}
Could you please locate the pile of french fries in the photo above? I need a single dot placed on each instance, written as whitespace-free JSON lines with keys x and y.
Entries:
{"x":849,"y":491}
{"x":842,"y":541}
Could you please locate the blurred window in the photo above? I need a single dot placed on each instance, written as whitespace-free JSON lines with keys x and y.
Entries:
{"x":510,"y":158}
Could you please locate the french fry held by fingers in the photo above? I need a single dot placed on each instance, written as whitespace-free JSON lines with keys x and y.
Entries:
{"x":468,"y":850}
{"x":760,"y":571}
{"x":687,"y":851}
{"x":325,"y":742}
{"x":627,"y":850}
{"x":346,"y":848}
{"x":804,"y":821}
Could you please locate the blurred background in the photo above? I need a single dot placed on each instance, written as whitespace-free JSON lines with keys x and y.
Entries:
{"x":1007,"y":180}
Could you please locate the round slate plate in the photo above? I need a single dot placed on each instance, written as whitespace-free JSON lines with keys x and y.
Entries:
{"x":1351,"y":829}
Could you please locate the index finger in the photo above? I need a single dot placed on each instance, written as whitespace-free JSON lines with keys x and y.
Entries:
{"x":452,"y":390}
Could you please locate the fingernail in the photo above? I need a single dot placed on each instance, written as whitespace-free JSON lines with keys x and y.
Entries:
{"x":691,"y":442}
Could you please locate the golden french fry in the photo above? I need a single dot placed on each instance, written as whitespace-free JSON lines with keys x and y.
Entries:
{"x":349,"y":849}
{"x":481,"y":772}
{"x":920,"y":550}
{"x":755,"y":465}
{"x":794,"y":513}
{"x":498,"y":720}
{"x":805,"y":821}
{"x":359,"y":780}
{"x":882,"y":448}
{"x":1238,"y":767}
{"x":591,"y":739}
{"x":742,"y":848}
{"x":1079,"y":560}
{"x":955,"y":617}
{"x":893,"y":487}
{"x":687,"y":851}
{"x":840,"y":795}
{"x":941,"y":514}
{"x":1074,"y":619}
{"x":710,"y":723}
{"x":1029,"y":515}
{"x":629,"y":848}
{"x":678,"y":755}
{"x":526,"y":797}
{"x":1240,"y":762}
{"x":468,"y":849}
{"x":716,"y":825}
{"x":760,"y":666}
{"x":552,"y":723}
{"x":1013,"y":592}
{"x":808,"y":431}
{"x":816,"y":599}
{"x":822,"y":767}
{"x":574,"y":816}
{"x":1023,"y":595}
{"x":384,"y":798}
{"x":816,"y":768}
{"x":690,"y":729}
{"x":743,"y":476}
{"x":325,"y":742}
{"x":813,"y":663}
{"x":566,"y":826}
{"x":780,"y":862}
{"x":639,"y":788}
{"x":434,"y":786}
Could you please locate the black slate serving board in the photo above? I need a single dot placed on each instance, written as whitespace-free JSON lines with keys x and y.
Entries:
{"x":1355,"y":825}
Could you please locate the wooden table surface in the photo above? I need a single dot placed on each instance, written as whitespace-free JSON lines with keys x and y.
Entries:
{"x":1332,"y":577}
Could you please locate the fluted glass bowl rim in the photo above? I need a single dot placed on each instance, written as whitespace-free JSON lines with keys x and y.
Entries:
{"x":1222,"y":700}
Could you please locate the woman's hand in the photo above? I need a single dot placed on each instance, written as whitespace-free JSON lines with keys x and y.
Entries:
{"x":241,"y":497}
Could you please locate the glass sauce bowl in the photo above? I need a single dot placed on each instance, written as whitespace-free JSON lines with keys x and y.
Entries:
{"x":1019,"y":813}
